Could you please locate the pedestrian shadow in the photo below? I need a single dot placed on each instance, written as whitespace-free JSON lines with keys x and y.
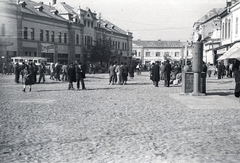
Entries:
{"x":92,"y":89}
{"x":220,"y":93}
{"x":50,"y":90}
{"x":139,"y":83}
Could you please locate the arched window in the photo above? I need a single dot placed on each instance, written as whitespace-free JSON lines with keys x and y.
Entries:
{"x":223,"y":30}
{"x":226,"y":29}
{"x":229,"y":28}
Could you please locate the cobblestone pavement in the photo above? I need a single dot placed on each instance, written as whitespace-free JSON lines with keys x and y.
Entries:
{"x":133,"y":123}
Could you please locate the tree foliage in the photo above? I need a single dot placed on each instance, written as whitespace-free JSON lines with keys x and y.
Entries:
{"x":101,"y":52}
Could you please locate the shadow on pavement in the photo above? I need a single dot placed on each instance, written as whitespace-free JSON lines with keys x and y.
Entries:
{"x":220,"y":93}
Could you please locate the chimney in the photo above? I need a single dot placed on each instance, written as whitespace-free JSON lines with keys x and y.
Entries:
{"x":229,"y":3}
{"x":54,"y":2}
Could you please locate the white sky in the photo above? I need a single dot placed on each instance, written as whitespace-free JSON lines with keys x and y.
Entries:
{"x":151,"y":19}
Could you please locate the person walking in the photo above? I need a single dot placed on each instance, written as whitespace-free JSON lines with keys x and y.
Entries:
{"x":167,"y":72}
{"x":58,"y":71}
{"x":28,"y":77}
{"x":237,"y":81}
{"x":111,"y":71}
{"x":131,"y":71}
{"x":35,"y":71}
{"x":64,"y":72}
{"x":118,"y":71}
{"x":42,"y":71}
{"x":162,"y":71}
{"x":138,"y":67}
{"x":52,"y":70}
{"x":156,"y":74}
{"x":125,"y":70}
{"x":17,"y":72}
{"x":71,"y":76}
{"x":79,"y":75}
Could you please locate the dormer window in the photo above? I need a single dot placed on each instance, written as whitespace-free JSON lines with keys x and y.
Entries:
{"x":55,"y":12}
{"x":106,"y":25}
{"x":23,"y":4}
{"x":112,"y":26}
{"x":39,"y":8}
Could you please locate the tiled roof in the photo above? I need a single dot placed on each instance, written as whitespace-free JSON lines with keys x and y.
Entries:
{"x":210,"y":14}
{"x":111,"y":27}
{"x":65,"y":8}
{"x":32,"y":8}
{"x":159,"y":44}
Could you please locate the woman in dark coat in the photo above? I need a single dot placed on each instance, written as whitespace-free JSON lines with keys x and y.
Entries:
{"x":17,"y":70}
{"x":156,"y":74}
{"x":28,"y":77}
{"x":80,"y":75}
{"x":167,"y":72}
{"x":237,"y":81}
{"x":71,"y":76}
{"x":131,"y":71}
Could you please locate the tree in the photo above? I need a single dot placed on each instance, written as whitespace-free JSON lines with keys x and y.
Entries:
{"x":101,"y":52}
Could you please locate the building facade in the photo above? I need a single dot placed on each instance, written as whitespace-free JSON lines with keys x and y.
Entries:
{"x":147,"y":52}
{"x":209,"y":27}
{"x":56,"y":31}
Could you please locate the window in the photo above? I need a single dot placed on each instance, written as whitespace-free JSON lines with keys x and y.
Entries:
{"x":65,"y":38}
{"x":3,"y":29}
{"x":32,"y":33}
{"x":118,"y":45}
{"x":166,"y":54}
{"x":177,"y":54}
{"x":47,"y":35}
{"x":60,"y":37}
{"x":223,"y":30}
{"x":41,"y":35}
{"x":158,"y":54}
{"x":52,"y":36}
{"x":92,"y":24}
{"x":139,"y":54}
{"x":77,"y":39}
{"x":123,"y":46}
{"x":226,"y":27}
{"x":147,"y":54}
{"x":25,"y":33}
{"x":88,"y":24}
{"x":85,"y":23}
{"x":236,"y":30}
{"x":229,"y":28}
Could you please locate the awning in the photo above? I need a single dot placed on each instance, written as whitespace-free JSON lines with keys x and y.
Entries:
{"x":235,"y":49}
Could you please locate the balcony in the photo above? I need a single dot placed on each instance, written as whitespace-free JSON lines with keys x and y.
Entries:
{"x":6,"y":40}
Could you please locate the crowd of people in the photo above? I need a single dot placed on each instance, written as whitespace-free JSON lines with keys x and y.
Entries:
{"x":118,"y":73}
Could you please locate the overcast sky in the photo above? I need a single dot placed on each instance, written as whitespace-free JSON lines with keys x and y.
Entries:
{"x":151,"y":19}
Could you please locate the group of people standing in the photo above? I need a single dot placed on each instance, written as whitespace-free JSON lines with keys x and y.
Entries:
{"x":158,"y":72}
{"x":118,"y":73}
{"x":29,"y":74}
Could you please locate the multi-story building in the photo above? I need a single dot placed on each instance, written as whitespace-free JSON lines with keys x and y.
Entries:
{"x":230,"y":38}
{"x":150,"y":51}
{"x":209,"y":27}
{"x":56,"y":31}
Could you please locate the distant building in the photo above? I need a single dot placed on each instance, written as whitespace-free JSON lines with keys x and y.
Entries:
{"x":151,"y":51}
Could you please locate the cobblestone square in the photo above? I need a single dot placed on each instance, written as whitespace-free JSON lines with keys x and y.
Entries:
{"x":133,"y":123}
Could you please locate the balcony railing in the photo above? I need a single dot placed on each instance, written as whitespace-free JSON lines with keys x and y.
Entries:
{"x":6,"y":40}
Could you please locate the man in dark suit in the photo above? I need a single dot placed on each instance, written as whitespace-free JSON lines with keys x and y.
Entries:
{"x":156,"y":74}
{"x":167,"y":72}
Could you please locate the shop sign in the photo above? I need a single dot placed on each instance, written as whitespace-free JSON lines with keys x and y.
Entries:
{"x":47,"y":48}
